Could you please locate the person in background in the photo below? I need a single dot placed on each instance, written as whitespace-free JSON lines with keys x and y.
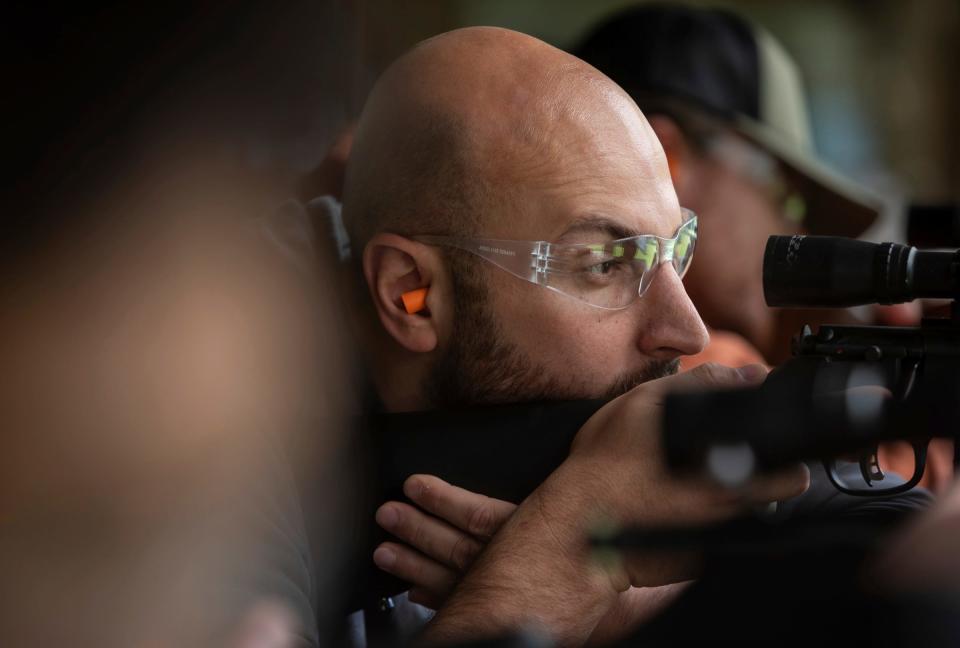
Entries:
{"x":728,"y":105}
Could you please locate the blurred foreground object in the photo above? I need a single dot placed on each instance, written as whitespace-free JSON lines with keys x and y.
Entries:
{"x":173,"y":380}
{"x":165,"y":383}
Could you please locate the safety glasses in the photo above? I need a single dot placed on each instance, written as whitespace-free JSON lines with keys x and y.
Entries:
{"x":608,"y":275}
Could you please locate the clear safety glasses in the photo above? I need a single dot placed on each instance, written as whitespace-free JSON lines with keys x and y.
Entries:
{"x":607,"y":275}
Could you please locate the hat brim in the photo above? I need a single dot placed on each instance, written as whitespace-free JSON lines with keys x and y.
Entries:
{"x":836,"y":206}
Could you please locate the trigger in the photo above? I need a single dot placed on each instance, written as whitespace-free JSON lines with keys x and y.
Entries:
{"x":870,"y":467}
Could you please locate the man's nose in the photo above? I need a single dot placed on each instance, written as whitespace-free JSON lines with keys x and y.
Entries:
{"x":672,"y":326}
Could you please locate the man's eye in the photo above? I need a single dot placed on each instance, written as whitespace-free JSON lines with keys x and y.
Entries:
{"x":607,"y":267}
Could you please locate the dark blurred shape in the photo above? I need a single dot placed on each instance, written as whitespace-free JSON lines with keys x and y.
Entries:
{"x":797,"y":583}
{"x":805,"y":412}
{"x":754,"y":537}
{"x":933,"y":226}
{"x":820,"y":271}
{"x":94,"y":91}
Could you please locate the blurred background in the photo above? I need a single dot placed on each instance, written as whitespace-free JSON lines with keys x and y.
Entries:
{"x":881,"y":76}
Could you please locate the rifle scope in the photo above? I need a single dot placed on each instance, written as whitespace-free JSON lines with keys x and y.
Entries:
{"x":829,"y":271}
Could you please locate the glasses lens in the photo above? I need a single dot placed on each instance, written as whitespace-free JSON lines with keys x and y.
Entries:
{"x":614,"y":274}
{"x":605,"y":274}
{"x":886,"y":468}
{"x":684,"y":247}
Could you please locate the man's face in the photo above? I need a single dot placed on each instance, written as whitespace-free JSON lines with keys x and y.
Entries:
{"x":579,"y":181}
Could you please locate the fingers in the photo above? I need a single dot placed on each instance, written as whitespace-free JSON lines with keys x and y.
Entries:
{"x":442,"y":547}
{"x":425,"y":574}
{"x":476,"y":514}
{"x":430,"y":536}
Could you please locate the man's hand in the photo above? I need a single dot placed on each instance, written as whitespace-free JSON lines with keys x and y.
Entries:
{"x":444,"y":541}
{"x":537,"y":570}
{"x":618,"y":458}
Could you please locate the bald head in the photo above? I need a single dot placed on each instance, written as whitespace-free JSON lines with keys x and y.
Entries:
{"x":487,"y":133}
{"x":459,"y":124}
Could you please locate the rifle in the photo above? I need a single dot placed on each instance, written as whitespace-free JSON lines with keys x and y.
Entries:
{"x":814,"y":405}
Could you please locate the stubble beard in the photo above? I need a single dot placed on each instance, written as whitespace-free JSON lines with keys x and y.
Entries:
{"x":480,"y":368}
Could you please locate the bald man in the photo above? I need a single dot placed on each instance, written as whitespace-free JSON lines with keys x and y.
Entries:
{"x":478,"y":151}
{"x":488,"y":134}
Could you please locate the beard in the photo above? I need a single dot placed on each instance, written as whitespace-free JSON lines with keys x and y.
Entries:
{"x":480,"y":368}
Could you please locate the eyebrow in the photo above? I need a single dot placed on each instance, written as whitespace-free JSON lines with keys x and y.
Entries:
{"x":598,"y":223}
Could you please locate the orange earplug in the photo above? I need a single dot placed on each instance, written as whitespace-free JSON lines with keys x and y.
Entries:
{"x":414,"y":300}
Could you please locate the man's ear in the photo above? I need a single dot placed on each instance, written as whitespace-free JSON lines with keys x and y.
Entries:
{"x":677,"y":149}
{"x":394,"y":265}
